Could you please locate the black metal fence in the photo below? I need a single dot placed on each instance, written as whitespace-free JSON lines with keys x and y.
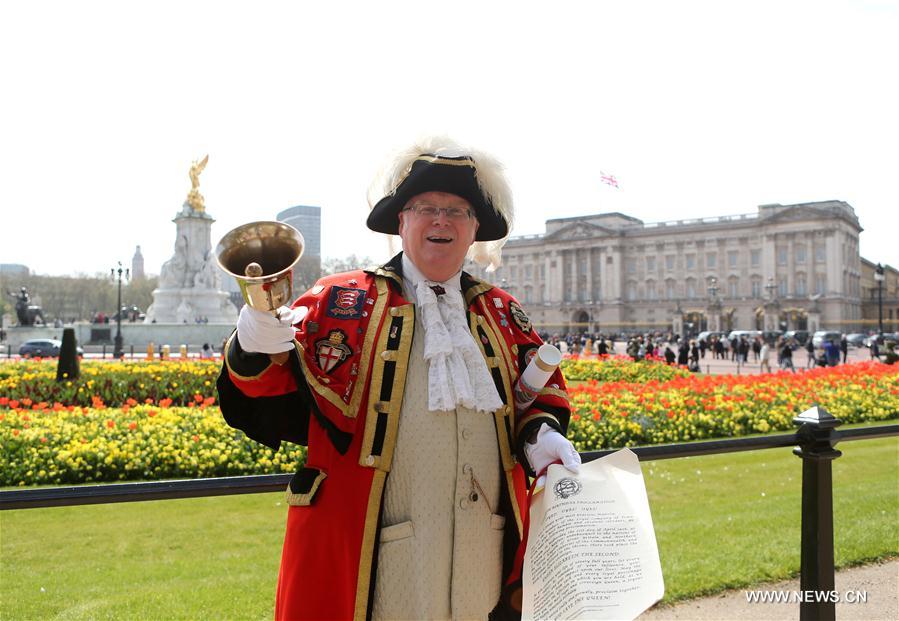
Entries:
{"x":814,"y":443}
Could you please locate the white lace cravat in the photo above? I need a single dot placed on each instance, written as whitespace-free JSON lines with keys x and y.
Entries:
{"x":457,"y":373}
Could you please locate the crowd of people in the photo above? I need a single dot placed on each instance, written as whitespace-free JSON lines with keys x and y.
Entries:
{"x":689,"y":352}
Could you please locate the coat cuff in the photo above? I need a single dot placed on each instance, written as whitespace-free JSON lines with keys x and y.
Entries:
{"x":242,"y":364}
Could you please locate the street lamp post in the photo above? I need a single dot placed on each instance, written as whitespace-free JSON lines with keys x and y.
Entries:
{"x":116,"y":274}
{"x":714,"y":306}
{"x":878,"y":276}
{"x":770,"y":288}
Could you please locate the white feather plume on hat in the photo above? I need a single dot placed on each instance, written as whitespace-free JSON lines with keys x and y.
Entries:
{"x":490,"y":176}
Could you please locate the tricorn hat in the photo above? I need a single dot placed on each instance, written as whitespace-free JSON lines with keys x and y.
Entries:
{"x":439,"y":165}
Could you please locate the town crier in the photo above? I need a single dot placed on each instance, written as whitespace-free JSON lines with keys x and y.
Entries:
{"x":399,"y":380}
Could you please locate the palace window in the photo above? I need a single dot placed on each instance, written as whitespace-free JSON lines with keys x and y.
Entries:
{"x":711,"y":260}
{"x":800,"y":255}
{"x":732,"y":259}
{"x":732,"y":287}
{"x":631,"y":266}
{"x":755,"y":257}
{"x":631,"y":291}
{"x":650,"y":264}
{"x":820,"y":284}
{"x":781,"y":256}
{"x":669,"y":289}
{"x":669,"y":262}
{"x":651,"y":292}
{"x":782,"y":290}
{"x":756,"y":288}
{"x":691,"y":288}
{"x":820,"y":252}
{"x":691,"y":261}
{"x":800,"y":285}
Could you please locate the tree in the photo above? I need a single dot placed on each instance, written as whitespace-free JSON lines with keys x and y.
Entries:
{"x":335,"y":265}
{"x":73,"y":298}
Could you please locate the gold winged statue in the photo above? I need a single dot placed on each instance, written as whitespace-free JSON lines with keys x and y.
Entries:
{"x":194,"y":198}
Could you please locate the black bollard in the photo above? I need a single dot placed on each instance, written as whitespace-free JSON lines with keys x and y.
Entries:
{"x":817,"y":437}
{"x":68,"y":367}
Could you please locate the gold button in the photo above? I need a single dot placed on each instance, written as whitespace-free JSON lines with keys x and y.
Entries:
{"x":481,"y":319}
{"x":466,"y":434}
{"x":394,"y":311}
{"x":370,"y":461}
{"x":385,"y":355}
{"x":463,"y":504}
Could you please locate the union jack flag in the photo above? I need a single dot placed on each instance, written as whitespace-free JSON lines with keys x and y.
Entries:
{"x":608,"y":179}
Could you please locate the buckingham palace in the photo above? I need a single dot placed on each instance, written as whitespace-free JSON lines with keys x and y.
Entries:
{"x":784,"y":267}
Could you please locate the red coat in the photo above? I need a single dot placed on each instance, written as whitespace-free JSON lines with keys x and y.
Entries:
{"x":341,"y":394}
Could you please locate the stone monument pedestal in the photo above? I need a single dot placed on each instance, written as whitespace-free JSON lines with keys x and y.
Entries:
{"x":190,"y":282}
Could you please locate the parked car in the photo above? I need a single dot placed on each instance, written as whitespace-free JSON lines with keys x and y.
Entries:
{"x":820,"y":336}
{"x":707,"y":336}
{"x":856,"y":339}
{"x":749,"y":334}
{"x":887,"y":336}
{"x":800,"y":336}
{"x":44,"y":348}
{"x":771,"y":336}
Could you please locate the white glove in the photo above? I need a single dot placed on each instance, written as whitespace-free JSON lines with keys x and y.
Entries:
{"x":551,"y":446}
{"x":262,"y":332}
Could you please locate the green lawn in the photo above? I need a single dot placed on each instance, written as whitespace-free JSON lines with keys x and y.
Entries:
{"x":721,"y":521}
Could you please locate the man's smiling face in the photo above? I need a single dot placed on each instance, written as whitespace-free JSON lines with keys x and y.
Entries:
{"x":437,"y":243}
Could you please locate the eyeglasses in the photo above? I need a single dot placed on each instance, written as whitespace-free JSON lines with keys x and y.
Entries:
{"x":431,"y":212}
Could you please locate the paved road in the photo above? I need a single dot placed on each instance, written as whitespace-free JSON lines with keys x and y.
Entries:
{"x":878,"y":582}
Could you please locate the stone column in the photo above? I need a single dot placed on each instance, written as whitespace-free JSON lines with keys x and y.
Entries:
{"x":589,"y":276}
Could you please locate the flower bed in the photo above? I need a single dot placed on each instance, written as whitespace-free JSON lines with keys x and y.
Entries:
{"x":110,"y":383}
{"x":617,"y":414}
{"x":80,"y":444}
{"x":75,"y":436}
{"x":620,"y":369}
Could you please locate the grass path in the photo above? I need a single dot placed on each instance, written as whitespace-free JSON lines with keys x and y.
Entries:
{"x":722,"y":521}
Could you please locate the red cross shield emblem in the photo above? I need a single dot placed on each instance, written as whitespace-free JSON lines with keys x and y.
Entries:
{"x":331,"y":352}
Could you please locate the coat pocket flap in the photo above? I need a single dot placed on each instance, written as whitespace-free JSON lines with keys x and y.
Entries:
{"x":403,"y":530}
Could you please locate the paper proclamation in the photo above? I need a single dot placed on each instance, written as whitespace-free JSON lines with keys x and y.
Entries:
{"x":591,"y":551}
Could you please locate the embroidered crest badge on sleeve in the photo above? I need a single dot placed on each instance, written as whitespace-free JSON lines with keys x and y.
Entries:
{"x":519,"y":317}
{"x":345,"y":303}
{"x":332,"y":351}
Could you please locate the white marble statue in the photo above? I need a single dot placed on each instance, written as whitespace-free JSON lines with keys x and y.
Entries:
{"x":190,"y":282}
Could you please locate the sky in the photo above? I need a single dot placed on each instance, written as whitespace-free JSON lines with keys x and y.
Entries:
{"x":699,"y":109}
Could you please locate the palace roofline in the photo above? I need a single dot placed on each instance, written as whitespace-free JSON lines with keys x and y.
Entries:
{"x":634,"y":226}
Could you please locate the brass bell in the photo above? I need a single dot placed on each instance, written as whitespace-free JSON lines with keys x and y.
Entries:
{"x":261,"y":257}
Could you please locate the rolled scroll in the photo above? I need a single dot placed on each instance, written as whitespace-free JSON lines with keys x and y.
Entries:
{"x":535,"y":376}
